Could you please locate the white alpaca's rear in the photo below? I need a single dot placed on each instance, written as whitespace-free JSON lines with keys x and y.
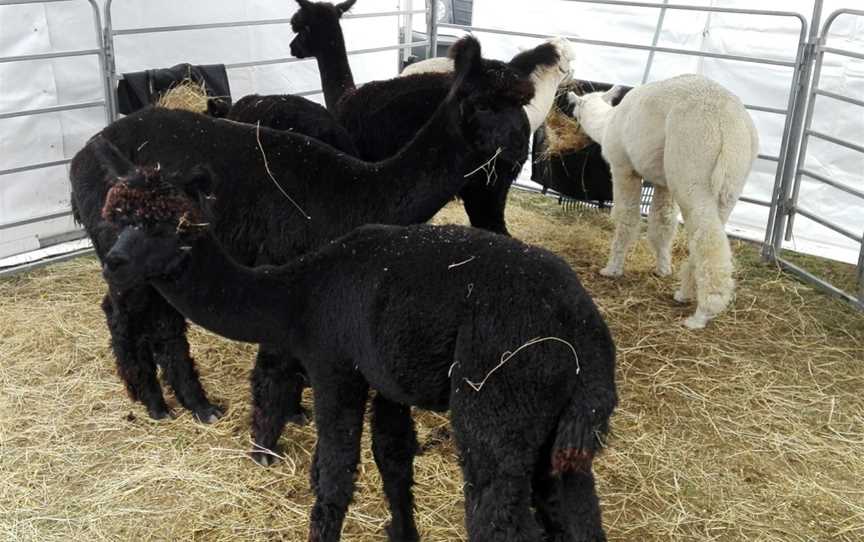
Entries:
{"x":696,"y":143}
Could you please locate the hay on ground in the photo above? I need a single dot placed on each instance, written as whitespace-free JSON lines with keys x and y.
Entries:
{"x":752,"y":429}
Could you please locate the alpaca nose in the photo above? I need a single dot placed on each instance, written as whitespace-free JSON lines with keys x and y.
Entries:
{"x":114,"y":261}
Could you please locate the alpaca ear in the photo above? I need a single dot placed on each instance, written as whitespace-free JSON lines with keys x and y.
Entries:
{"x":545,"y":54}
{"x":467,"y":56}
{"x":304,"y":4}
{"x":198,"y":183}
{"x":345,"y":6}
{"x":614,"y":94}
{"x":110,"y":158}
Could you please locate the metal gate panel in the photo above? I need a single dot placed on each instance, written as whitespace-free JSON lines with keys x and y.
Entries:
{"x":795,"y":64}
{"x":111,"y":33}
{"x":787,"y":199}
{"x":97,"y":51}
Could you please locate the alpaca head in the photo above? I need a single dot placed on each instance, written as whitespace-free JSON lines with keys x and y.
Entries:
{"x":595,"y":102}
{"x":490,"y":96}
{"x":157,"y":216}
{"x":316,"y":24}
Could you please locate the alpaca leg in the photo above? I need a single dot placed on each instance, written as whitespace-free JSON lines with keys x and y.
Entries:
{"x":484,"y":204}
{"x":687,"y":285}
{"x":627,"y":193}
{"x":567,"y":507}
{"x":171,"y":352}
{"x":340,"y":402}
{"x":394,"y":444}
{"x":711,"y":267}
{"x":135,"y":363}
{"x":277,"y":385}
{"x":662,"y":223}
{"x":497,"y":502}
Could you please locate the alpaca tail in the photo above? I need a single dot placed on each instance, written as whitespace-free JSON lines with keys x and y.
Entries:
{"x":580,"y":435}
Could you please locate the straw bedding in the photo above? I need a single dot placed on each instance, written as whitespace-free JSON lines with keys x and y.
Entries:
{"x":752,"y":429}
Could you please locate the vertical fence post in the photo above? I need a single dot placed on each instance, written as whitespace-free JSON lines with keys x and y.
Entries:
{"x":789,"y":155}
{"x":654,"y":42}
{"x":432,"y":28}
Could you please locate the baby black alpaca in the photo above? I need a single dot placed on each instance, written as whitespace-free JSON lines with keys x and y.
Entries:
{"x":500,"y":333}
{"x":254,"y":170}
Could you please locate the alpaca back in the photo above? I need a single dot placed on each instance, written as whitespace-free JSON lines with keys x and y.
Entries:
{"x":687,"y":127}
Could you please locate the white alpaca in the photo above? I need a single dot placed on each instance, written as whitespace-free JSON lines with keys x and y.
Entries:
{"x":696,"y":143}
{"x":546,"y":79}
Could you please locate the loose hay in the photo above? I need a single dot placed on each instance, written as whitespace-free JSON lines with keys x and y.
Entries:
{"x":564,"y":134}
{"x":186,"y":95}
{"x":751,"y":429}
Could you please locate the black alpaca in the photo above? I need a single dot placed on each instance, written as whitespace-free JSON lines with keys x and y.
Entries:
{"x":256,"y":222}
{"x":500,"y":333}
{"x":382,"y":115}
{"x":293,"y":114}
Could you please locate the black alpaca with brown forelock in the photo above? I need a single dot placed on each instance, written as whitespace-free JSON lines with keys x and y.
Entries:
{"x":278,"y":195}
{"x":380,"y":116}
{"x":500,"y":333}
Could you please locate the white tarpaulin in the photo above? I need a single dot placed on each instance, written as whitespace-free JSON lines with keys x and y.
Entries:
{"x":40,"y":28}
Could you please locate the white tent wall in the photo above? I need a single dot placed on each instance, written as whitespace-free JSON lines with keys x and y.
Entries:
{"x":32,"y":29}
{"x":757,"y":84}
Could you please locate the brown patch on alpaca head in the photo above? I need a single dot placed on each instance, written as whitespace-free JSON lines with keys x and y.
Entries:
{"x":571,"y":460}
{"x":149,"y":202}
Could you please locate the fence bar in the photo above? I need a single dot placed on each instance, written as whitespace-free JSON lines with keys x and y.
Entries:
{"x":52,"y":109}
{"x":828,"y":224}
{"x":839,"y":97}
{"x":34,"y":166}
{"x":813,"y":279}
{"x":601,"y":43}
{"x":690,"y":7}
{"x":432,"y":28}
{"x":861,"y":274}
{"x":30,"y":266}
{"x":843,"y":52}
{"x":50,"y":56}
{"x":235,"y":24}
{"x":836,"y":141}
{"x":291,"y":59}
{"x":755,"y":201}
{"x":831,"y":182}
{"x":654,"y":41}
{"x":768,"y":158}
{"x":792,"y":140}
{"x":33,"y":220}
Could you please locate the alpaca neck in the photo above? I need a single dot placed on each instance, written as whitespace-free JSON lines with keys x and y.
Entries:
{"x":546,"y":82}
{"x":236,"y":302}
{"x":336,"y":78}
{"x":594,"y":118}
{"x":423,"y":176}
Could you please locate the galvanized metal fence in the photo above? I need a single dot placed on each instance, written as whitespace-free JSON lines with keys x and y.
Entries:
{"x":111,"y":35}
{"x":98,"y":51}
{"x":786,"y":204}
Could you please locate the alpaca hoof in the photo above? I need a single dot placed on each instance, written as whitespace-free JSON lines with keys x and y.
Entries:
{"x":696,"y":321}
{"x":161,"y":413}
{"x":264,"y":458}
{"x":611,"y":272}
{"x":301,"y":418}
{"x":209,"y":415}
{"x":681,"y":297}
{"x":663,"y":270}
{"x":408,"y":534}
